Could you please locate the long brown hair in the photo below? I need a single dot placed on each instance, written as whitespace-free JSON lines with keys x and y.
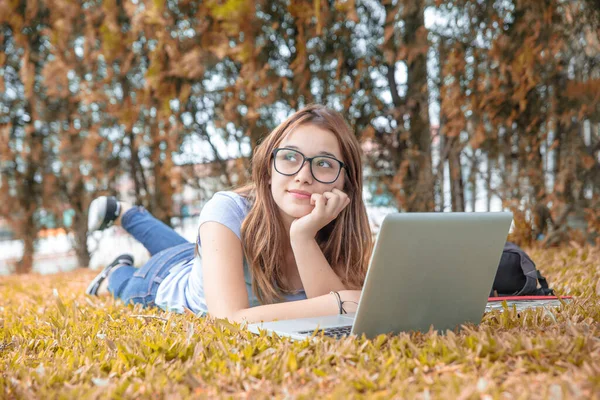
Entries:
{"x":346,"y":242}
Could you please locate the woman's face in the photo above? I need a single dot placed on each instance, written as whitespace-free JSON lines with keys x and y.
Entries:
{"x":311,"y":141}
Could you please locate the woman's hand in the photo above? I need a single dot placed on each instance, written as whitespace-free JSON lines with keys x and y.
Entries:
{"x":327,"y":207}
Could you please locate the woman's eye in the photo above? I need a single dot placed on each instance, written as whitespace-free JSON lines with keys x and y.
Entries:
{"x":324,"y":164}
{"x":290,"y":157}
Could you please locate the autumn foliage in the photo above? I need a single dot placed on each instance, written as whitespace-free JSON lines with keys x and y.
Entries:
{"x":90,"y":91}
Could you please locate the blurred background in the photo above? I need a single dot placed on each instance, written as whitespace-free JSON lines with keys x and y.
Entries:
{"x":459,"y":106}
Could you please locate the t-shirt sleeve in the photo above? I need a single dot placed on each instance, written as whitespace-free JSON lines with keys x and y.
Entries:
{"x":226,"y":208}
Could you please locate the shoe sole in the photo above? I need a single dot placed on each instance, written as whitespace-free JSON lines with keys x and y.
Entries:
{"x":109,"y":210}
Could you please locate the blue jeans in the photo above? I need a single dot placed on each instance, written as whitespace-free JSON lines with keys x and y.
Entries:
{"x":167,"y":249}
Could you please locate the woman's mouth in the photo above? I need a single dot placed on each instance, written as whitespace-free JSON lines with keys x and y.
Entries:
{"x":300,"y":195}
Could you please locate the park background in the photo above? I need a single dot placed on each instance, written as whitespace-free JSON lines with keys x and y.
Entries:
{"x":470,"y":105}
{"x":459,"y":106}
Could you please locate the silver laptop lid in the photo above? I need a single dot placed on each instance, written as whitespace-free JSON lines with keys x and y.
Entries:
{"x":431,"y":269}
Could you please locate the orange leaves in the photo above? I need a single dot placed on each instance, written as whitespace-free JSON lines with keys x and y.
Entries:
{"x":388,"y":32}
{"x":301,"y":11}
{"x":592,"y":39}
{"x":588,"y":91}
{"x":89,"y":146}
{"x":420,"y":45}
{"x":588,"y":161}
{"x":184,"y":92}
{"x":367,"y":136}
{"x":190,"y":65}
{"x":231,"y":14}
{"x":252,"y":115}
{"x":317,"y":6}
{"x":541,"y":353}
{"x":134,"y":60}
{"x":452,"y":98}
{"x":221,"y":49}
{"x":49,"y":185}
{"x":524,"y":74}
{"x":455,"y":62}
{"x":229,"y":10}
{"x":158,"y":4}
{"x":111,"y":41}
{"x":300,"y":60}
{"x":6,"y":10}
{"x":478,"y":137}
{"x":390,"y":21}
{"x":31,"y":9}
{"x":5,"y":151}
{"x":349,"y":7}
{"x":55,"y":78}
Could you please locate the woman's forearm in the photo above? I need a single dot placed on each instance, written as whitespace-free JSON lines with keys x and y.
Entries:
{"x":314,"y":307}
{"x":318,"y":278}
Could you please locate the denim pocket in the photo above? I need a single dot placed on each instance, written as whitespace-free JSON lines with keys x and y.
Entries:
{"x":158,"y":267}
{"x":153,"y":266}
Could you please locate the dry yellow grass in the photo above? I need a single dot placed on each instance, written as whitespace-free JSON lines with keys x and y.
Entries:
{"x":55,"y":342}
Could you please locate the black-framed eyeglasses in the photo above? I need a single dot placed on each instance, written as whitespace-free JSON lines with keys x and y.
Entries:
{"x":324,"y":169}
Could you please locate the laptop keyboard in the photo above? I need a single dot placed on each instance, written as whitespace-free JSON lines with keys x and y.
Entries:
{"x":335,"y":332}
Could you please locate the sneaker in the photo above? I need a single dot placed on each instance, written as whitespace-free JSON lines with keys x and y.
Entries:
{"x":102,"y":213}
{"x":123,"y":259}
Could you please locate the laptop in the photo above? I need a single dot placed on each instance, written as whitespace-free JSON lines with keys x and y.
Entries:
{"x":427,"y":269}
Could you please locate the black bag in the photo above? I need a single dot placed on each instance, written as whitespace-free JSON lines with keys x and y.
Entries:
{"x":517,"y":275}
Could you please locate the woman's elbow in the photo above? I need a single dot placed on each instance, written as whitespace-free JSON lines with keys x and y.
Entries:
{"x":238,"y":315}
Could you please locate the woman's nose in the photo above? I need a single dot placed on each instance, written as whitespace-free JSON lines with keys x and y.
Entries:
{"x":304,"y":175}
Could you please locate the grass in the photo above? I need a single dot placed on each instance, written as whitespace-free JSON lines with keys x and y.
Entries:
{"x":55,"y":342}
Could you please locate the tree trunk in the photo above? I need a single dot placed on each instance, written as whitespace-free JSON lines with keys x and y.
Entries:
{"x":79,"y":227}
{"x":473,"y":180}
{"x":457,"y":190}
{"x":488,"y":183}
{"x":162,"y":196}
{"x":28,"y":233}
{"x":418,"y":182}
{"x":137,"y":173}
{"x":25,"y":265}
{"x":443,"y":156}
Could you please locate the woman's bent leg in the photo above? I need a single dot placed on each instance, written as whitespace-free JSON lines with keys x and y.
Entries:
{"x":152,"y":233}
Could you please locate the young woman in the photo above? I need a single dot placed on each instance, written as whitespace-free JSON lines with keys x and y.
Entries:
{"x":294,"y":243}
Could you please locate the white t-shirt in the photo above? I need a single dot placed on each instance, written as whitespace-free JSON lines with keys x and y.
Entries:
{"x":184,"y":285}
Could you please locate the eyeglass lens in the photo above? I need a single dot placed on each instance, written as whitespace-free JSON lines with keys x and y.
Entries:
{"x":324,"y":169}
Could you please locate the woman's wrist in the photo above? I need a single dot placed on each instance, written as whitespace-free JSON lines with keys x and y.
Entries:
{"x":300,"y":240}
{"x":349,"y":300}
{"x":338,"y":301}
{"x":346,"y":301}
